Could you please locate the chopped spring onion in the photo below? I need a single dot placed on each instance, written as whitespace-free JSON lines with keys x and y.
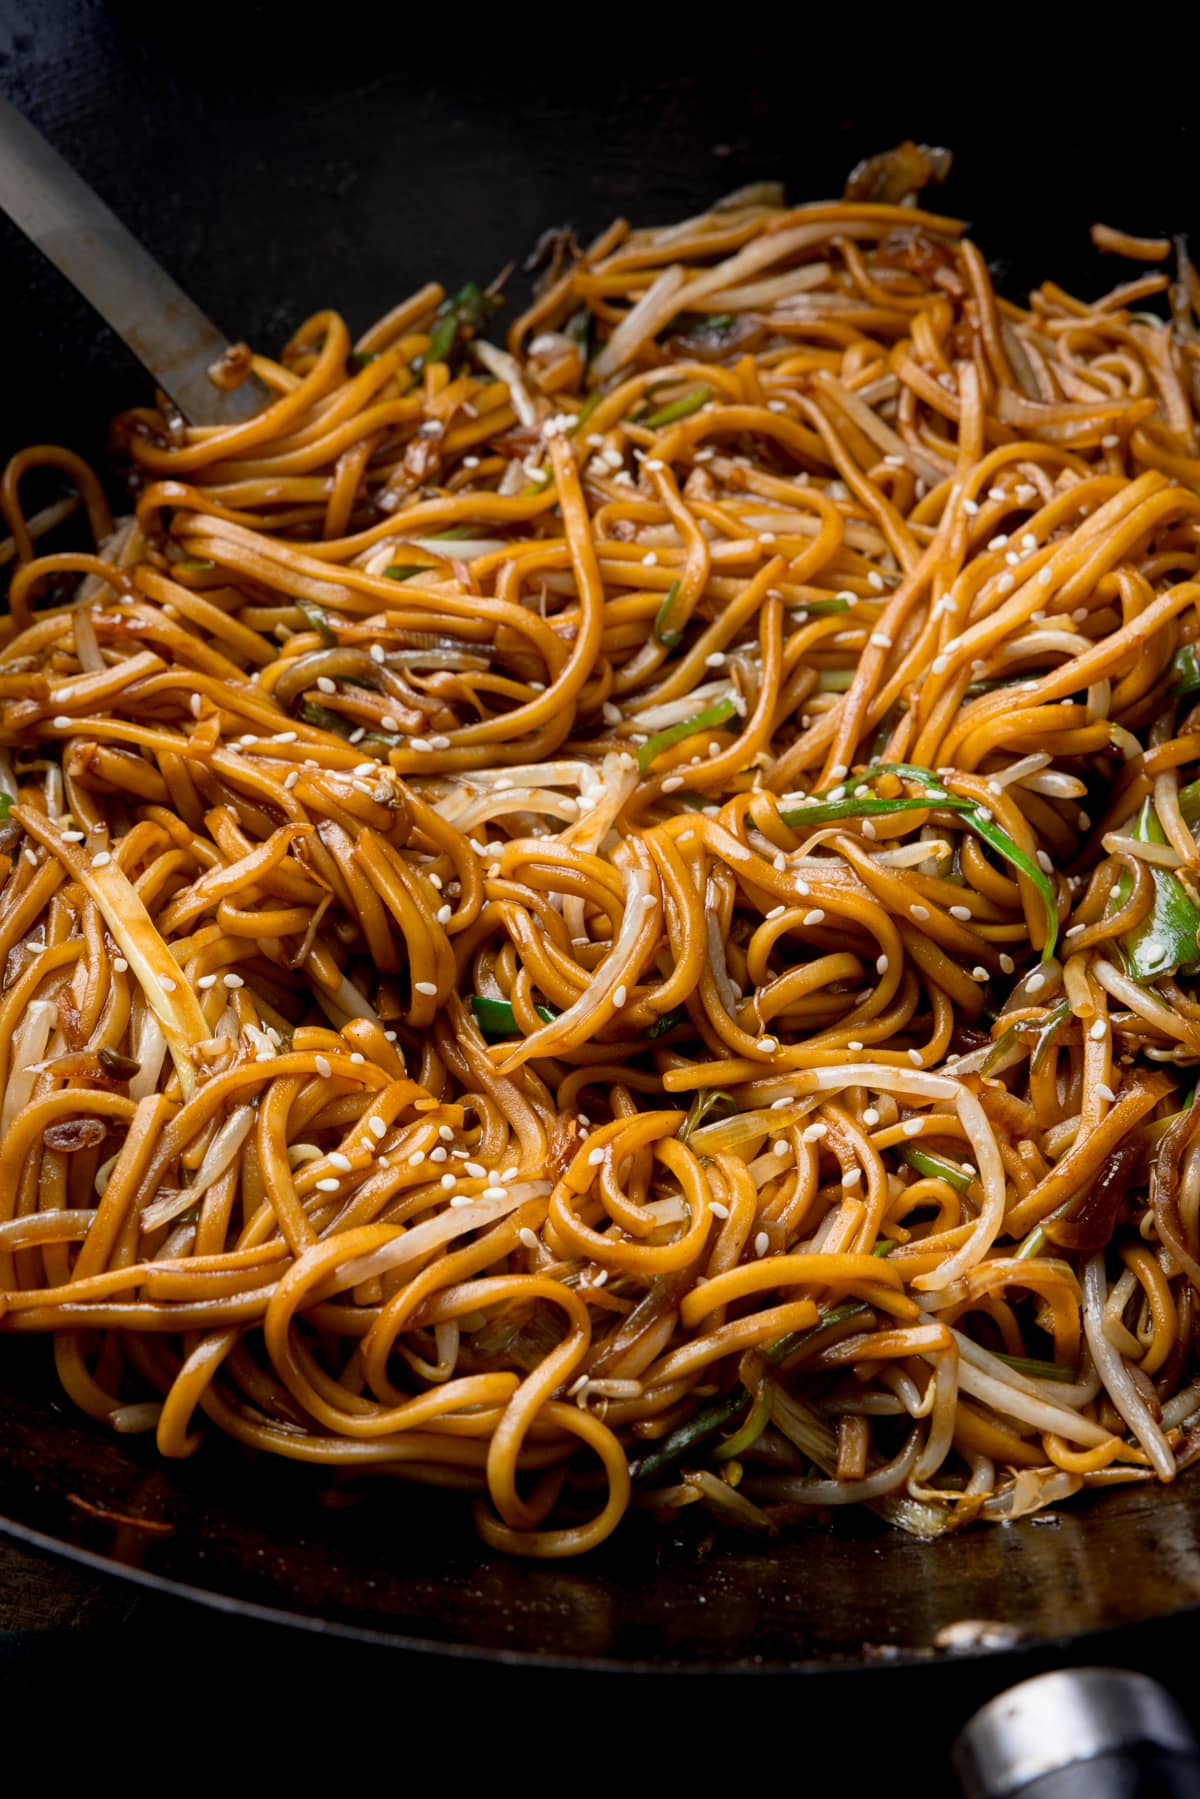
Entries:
{"x":1185,"y":665}
{"x":1169,"y":937}
{"x":835,"y":680}
{"x":749,"y":1430}
{"x":6,"y":800}
{"x":855,"y":804}
{"x":404,"y":571}
{"x":704,"y":1423}
{"x":585,"y":412}
{"x":195,"y":565}
{"x":313,"y":713}
{"x":705,"y":1101}
{"x":678,"y":409}
{"x":822,"y":608}
{"x":934,"y":1168}
{"x":670,"y":1021}
{"x":1036,"y":1369}
{"x":712,"y":716}
{"x":496,"y":1018}
{"x":361,"y":359}
{"x":317,"y":619}
{"x":458,"y":319}
{"x":670,"y":639}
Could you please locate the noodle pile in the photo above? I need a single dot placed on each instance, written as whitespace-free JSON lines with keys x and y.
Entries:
{"x":613,"y":921}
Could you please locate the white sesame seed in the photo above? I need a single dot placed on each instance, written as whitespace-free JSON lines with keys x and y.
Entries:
{"x":206,"y":981}
{"x":428,"y":988}
{"x":980,"y":973}
{"x":672,"y":784}
{"x":325,"y":685}
{"x":323,"y":1066}
{"x":762,"y":1244}
{"x":767,"y":1045}
{"x":650,"y":559}
{"x":377,"y":1127}
{"x":1104,"y":1091}
{"x":357,"y":1056}
{"x":439,"y":1154}
{"x":914,"y":1056}
{"x":1084,"y":821}
{"x":447,"y":1183}
{"x":120,"y":965}
{"x":232,"y":980}
{"x":882,"y":964}
{"x":852,"y":1177}
{"x":998,"y":542}
{"x":595,"y":1157}
{"x":855,"y":1045}
{"x":444,"y":914}
{"x":1109,"y":441}
{"x":870,"y":1118}
{"x":777,"y":1105}
{"x":72,"y":836}
{"x":289,"y":780}
{"x":1006,"y":962}
{"x":1154,"y":948}
{"x":102,"y":860}
{"x":776,"y":912}
{"x":196,"y":701}
{"x":1098,"y":1031}
{"x":328,"y":1185}
{"x":476,"y":1170}
{"x":439,"y":743}
{"x":495,"y":1193}
{"x":718,"y":1210}
{"x":971,"y":507}
{"x":911,"y":1127}
{"x":422,"y":745}
{"x":339,"y":1161}
{"x":166,"y":983}
{"x":921,"y":913}
{"x":962,"y":913}
{"x":1035,"y":983}
{"x":880,"y":640}
{"x":940,"y":664}
{"x":813,"y":1133}
{"x":867,"y":828}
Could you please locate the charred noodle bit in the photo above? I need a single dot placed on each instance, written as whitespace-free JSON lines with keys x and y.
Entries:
{"x":617,"y":916}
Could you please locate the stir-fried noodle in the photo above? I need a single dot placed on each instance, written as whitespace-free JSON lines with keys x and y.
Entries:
{"x":613,"y":921}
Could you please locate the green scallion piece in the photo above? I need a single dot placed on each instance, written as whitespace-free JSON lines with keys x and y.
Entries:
{"x":749,"y":1430}
{"x":678,"y":409}
{"x":317,"y":619}
{"x":855,"y":803}
{"x":934,"y":1168}
{"x":496,"y":1018}
{"x":404,"y":571}
{"x":702,"y":1424}
{"x":1035,"y":1369}
{"x":717,"y":714}
{"x":706,"y":1100}
{"x":1169,"y":937}
{"x":669,"y":639}
{"x":1185,"y":665}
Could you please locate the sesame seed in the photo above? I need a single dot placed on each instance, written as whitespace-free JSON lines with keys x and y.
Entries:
{"x":962,"y":913}
{"x":868,"y":829}
{"x":323,"y":1066}
{"x":328,"y":1185}
{"x":816,"y":916}
{"x":650,"y":559}
{"x":715,"y":659}
{"x":672,"y":784}
{"x":1104,"y":1091}
{"x":167,"y":984}
{"x":325,"y":685}
{"x":421,"y":744}
{"x":62,"y":722}
{"x":1084,"y":822}
{"x":1006,"y":962}
{"x":377,"y":1127}
{"x":855,"y":1045}
{"x":852,"y":1177}
{"x":1098,"y":1031}
{"x":876,"y":581}
{"x":1035,"y":983}
{"x":940,"y":664}
{"x":1044,"y":863}
{"x":777,"y":1105}
{"x":196,"y":701}
{"x":620,"y":995}
{"x":102,"y":860}
{"x":120,"y":965}
{"x":439,"y":743}
{"x":447,"y":1183}
{"x":1154,"y":948}
{"x":443,"y":915}
{"x":595,"y":1157}
{"x":357,"y":1056}
{"x":914,"y":1056}
{"x":458,"y":1200}
{"x":776,"y":912}
{"x":880,"y":640}
{"x":439,"y":1154}
{"x":920,"y":913}
{"x":871,"y":1117}
{"x":718,"y":1210}
{"x":980,"y":973}
{"x":476,"y":1170}
{"x":1109,"y":441}
{"x":495,"y":1193}
{"x":232,"y":980}
{"x":72,"y":836}
{"x":206,"y":981}
{"x":813,"y":1133}
{"x":338,"y":1160}
{"x":428,"y":988}
{"x":971,"y":507}
{"x":289,"y":780}
{"x":767,"y":1045}
{"x":762,"y":1244}
{"x":882,"y":964}
{"x":911,"y":1127}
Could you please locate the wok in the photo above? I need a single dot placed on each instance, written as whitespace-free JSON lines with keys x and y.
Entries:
{"x":274,"y":172}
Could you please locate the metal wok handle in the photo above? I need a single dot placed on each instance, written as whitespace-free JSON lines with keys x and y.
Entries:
{"x":1079,"y":1733}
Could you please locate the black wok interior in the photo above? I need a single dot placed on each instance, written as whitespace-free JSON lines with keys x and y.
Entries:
{"x":277,"y":170}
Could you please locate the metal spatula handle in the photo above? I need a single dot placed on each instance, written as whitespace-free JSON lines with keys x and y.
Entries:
{"x":73,"y":228}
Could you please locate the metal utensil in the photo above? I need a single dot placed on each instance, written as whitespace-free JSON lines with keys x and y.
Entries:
{"x":173,"y":340}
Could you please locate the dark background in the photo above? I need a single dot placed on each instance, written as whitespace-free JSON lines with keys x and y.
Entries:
{"x":277,"y":161}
